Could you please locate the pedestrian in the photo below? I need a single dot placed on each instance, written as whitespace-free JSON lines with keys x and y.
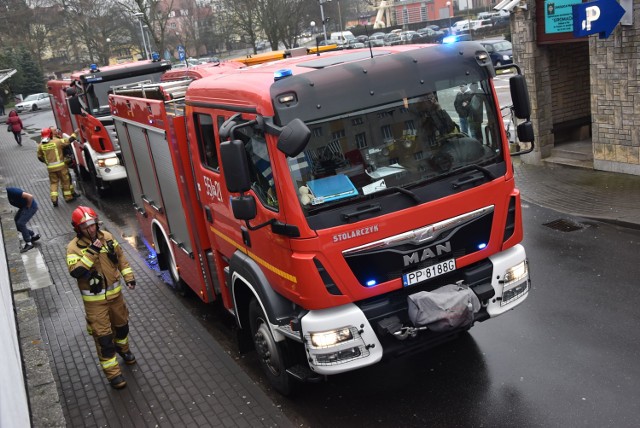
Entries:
{"x":97,"y":262}
{"x":27,"y":208}
{"x":461,"y":104}
{"x":50,"y":152}
{"x":436,"y":122}
{"x":476,"y":111}
{"x":15,"y":125}
{"x":1,"y":105}
{"x":68,"y":159}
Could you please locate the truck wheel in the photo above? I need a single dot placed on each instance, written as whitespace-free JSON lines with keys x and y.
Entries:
{"x":272,"y":355}
{"x":93,"y":174}
{"x":178,"y":284}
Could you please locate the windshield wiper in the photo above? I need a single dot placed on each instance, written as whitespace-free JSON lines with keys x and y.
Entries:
{"x":488,"y":174}
{"x":402,"y":190}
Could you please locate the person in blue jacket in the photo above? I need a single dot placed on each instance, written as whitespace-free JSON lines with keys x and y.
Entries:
{"x":27,"y":207}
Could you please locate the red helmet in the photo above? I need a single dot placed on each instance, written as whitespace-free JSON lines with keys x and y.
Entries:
{"x":83,"y":216}
{"x":46,"y":133}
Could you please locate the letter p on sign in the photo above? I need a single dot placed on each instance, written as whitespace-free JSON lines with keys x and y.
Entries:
{"x":593,"y":13}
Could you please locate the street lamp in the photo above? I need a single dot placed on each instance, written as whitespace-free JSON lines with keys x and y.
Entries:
{"x":108,"y":40}
{"x":313,"y":32}
{"x":324,"y":28}
{"x":450,"y":13}
{"x":139,"y":15}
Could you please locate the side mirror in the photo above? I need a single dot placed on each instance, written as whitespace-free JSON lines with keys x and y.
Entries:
{"x":294,"y":138}
{"x":235,"y":166}
{"x":525,"y":132}
{"x":520,"y":97}
{"x":227,"y":126}
{"x":525,"y":142}
{"x":74,"y":105}
{"x":244,"y":207}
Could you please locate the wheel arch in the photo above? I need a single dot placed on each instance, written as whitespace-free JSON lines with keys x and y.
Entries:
{"x":158,"y":233}
{"x":248,"y":281}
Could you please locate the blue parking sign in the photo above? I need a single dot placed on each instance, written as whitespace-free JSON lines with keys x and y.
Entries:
{"x":181,"y":53}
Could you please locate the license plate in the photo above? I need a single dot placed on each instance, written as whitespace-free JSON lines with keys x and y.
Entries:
{"x":428,"y":272}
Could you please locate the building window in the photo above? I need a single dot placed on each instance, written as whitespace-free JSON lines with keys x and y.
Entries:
{"x":386,"y":132}
{"x":357,"y":121}
{"x":361,"y":140}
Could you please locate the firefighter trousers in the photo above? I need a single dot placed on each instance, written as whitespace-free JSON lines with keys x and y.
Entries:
{"x":108,"y":322}
{"x":60,"y":176}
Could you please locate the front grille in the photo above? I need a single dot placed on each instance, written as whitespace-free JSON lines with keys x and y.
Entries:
{"x":389,"y":263}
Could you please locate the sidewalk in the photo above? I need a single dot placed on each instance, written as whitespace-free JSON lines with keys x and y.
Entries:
{"x":183,"y":376}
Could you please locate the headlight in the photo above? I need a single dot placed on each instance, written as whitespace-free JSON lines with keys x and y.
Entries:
{"x":107,"y":162}
{"x":505,"y":57}
{"x":516,"y":273}
{"x":324,"y":339}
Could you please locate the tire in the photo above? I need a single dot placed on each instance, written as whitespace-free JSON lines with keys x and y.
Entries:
{"x":179,"y":286}
{"x":93,"y":174}
{"x":273,"y":355}
{"x":34,"y":107}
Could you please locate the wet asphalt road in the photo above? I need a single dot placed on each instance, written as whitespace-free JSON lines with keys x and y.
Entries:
{"x":566,"y":357}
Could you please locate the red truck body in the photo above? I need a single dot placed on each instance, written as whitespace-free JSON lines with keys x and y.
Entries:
{"x":306,"y":194}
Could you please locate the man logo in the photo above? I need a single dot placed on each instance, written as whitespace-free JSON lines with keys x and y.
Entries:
{"x":427,"y":253}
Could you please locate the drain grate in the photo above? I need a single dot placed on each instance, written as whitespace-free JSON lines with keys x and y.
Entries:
{"x":564,"y":225}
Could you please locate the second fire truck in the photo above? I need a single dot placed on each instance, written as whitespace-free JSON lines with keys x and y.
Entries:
{"x":81,"y":102}
{"x":332,"y":202}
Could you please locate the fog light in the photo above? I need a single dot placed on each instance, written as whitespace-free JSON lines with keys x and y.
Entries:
{"x":340,"y":356}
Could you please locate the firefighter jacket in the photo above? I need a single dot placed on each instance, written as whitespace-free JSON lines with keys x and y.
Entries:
{"x":85,"y":262}
{"x":51,"y":152}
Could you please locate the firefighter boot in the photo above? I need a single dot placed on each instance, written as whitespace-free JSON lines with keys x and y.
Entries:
{"x":118,"y":382}
{"x":128,"y":357}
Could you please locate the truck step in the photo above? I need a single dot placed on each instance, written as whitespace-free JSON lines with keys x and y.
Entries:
{"x":304,"y":374}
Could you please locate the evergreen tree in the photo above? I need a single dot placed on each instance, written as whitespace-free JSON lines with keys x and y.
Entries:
{"x":32,"y":77}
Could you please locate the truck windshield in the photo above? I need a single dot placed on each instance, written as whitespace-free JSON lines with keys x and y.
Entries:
{"x":398,"y":145}
{"x":98,"y":92}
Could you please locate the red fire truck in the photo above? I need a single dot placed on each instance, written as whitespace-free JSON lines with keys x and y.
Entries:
{"x":333,"y":202}
{"x":81,"y":103}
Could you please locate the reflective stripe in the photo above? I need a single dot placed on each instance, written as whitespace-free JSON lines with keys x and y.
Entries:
{"x":55,"y":165}
{"x":54,"y":194}
{"x":122,"y":341}
{"x":126,"y":271}
{"x":95,"y":297}
{"x":86,"y":261}
{"x":109,"y":363}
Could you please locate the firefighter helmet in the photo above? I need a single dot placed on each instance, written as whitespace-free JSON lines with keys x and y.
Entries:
{"x":46,"y":134}
{"x":83,"y":216}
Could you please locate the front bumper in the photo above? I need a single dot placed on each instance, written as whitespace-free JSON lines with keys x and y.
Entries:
{"x":380,"y":327}
{"x":111,"y":173}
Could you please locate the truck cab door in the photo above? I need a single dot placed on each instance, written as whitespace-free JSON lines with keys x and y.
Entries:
{"x":270,"y":251}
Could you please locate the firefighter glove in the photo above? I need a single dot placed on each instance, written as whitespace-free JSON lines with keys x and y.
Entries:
{"x":95,"y":246}
{"x":95,"y":283}
{"x":131,"y":284}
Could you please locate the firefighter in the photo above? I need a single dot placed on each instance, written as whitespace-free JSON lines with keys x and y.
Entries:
{"x":50,"y":153}
{"x":68,"y":159}
{"x":97,"y":262}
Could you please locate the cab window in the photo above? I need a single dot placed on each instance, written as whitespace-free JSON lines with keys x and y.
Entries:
{"x":206,"y":141}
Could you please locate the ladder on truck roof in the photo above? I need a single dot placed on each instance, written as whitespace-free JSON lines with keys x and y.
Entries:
{"x":172,"y":93}
{"x":165,"y":91}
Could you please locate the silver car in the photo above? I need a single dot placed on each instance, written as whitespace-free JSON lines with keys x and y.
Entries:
{"x":34,"y":102}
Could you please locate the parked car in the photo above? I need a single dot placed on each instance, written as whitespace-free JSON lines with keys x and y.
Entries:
{"x":430,"y":35}
{"x":376,"y":40}
{"x":353,"y":44}
{"x":411,"y":37}
{"x":392,"y":39}
{"x":34,"y":102}
{"x":500,"y":51}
